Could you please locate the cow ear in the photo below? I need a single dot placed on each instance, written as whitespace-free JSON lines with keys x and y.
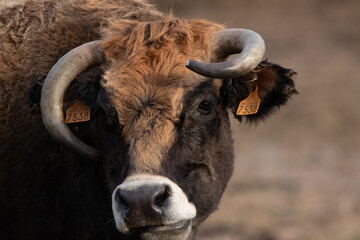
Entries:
{"x":275,"y":87}
{"x":85,"y":87}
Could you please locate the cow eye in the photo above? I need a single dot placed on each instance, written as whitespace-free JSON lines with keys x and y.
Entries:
{"x":205,"y":107}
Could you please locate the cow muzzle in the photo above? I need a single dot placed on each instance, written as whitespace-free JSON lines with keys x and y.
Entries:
{"x":146,"y":204}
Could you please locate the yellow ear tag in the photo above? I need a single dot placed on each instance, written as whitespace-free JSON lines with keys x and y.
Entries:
{"x":249,"y":105}
{"x":78,"y":112}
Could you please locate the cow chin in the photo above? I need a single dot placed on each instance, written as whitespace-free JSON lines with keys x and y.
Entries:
{"x":152,"y":207}
{"x":182,"y":234}
{"x":178,"y":234}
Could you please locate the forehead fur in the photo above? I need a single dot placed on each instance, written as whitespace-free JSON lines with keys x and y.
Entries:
{"x":147,"y":76}
{"x":147,"y":79}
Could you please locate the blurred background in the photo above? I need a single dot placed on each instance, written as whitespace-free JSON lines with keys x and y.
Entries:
{"x":297,"y":175}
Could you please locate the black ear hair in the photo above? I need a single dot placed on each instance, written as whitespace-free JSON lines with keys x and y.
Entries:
{"x":275,"y":88}
{"x":85,"y":87}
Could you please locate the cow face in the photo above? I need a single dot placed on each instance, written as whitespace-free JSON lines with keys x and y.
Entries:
{"x":165,"y":129}
{"x":166,"y":152}
{"x":170,"y":149}
{"x":156,"y":161}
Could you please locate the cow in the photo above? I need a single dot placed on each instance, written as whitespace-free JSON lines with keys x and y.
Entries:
{"x":147,"y":151}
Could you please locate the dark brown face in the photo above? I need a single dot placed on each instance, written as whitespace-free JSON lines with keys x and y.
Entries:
{"x":169,"y":150}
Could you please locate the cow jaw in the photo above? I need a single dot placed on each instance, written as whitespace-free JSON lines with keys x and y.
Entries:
{"x":152,"y":206}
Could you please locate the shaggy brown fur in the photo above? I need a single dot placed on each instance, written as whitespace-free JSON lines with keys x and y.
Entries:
{"x":146,"y":79}
{"x":30,"y":36}
{"x":149,"y":114}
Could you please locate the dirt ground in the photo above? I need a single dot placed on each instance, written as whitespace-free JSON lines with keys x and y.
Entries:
{"x":297,"y":175}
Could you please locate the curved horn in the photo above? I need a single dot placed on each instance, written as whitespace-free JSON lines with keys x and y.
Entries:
{"x":248,"y":43}
{"x":53,"y":91}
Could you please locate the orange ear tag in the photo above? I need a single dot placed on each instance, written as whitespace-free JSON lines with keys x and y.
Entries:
{"x":249,"y":105}
{"x":78,"y":112}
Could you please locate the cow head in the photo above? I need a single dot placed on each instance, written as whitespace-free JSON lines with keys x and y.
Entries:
{"x":163,"y":129}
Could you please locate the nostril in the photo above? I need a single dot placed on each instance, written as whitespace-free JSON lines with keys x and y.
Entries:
{"x":161,"y":196}
{"x":123,"y":205}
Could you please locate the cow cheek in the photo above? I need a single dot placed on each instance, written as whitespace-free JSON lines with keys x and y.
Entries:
{"x":204,"y":193}
{"x":212,"y":180}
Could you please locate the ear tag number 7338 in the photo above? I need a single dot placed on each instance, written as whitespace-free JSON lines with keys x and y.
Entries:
{"x":249,"y":105}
